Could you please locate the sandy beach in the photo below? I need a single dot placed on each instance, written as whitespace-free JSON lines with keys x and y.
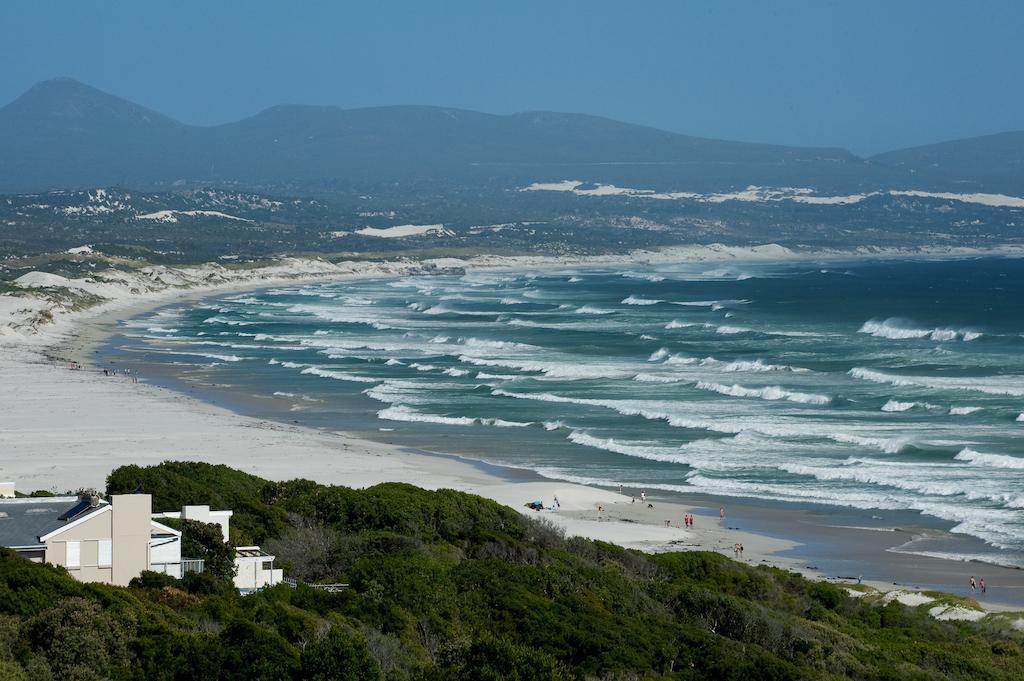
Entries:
{"x":66,"y":428}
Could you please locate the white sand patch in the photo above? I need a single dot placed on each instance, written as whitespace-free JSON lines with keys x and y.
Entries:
{"x":172,"y":215}
{"x":400,"y":231}
{"x":563,"y":186}
{"x":997,"y":200}
{"x":758,"y":194}
{"x":910,"y":598}
{"x":956,"y":612}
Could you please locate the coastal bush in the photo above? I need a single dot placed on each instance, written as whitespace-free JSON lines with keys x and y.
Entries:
{"x":205,"y":541}
{"x":452,"y":586}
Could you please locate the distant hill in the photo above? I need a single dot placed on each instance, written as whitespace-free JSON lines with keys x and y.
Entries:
{"x":993,"y":162}
{"x":62,"y":133}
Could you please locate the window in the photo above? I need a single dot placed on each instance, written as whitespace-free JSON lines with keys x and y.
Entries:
{"x":73,"y":556}
{"x":105,"y":550}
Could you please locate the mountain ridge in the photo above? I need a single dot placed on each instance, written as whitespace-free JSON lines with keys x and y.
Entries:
{"x":62,"y":134}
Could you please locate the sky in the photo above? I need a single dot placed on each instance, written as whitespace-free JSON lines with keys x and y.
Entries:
{"x":866,"y":75}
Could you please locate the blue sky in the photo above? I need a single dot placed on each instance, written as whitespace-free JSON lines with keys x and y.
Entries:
{"x":865,"y":75}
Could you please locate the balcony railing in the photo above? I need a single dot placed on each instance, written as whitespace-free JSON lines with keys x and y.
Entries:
{"x":191,"y":565}
{"x":179,"y":569}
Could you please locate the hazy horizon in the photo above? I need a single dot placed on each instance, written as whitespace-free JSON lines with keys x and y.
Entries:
{"x":919,"y":73}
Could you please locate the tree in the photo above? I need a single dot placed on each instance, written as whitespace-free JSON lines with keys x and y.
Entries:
{"x":205,"y":541}
{"x":254,"y":652}
{"x":80,"y":641}
{"x":340,"y":655}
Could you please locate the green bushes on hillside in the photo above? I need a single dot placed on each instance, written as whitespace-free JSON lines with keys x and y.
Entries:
{"x":446,"y":585}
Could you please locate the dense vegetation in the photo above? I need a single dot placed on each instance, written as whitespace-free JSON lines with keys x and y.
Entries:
{"x":446,"y":585}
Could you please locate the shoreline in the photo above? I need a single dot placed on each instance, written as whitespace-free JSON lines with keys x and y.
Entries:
{"x":334,"y":457}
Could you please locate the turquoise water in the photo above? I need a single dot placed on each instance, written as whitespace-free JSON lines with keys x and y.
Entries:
{"x":868,"y":385}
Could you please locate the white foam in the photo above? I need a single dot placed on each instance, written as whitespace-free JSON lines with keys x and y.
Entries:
{"x":645,"y":276}
{"x":659,"y":355}
{"x":899,"y":329}
{"x":403,"y":413}
{"x":651,"y":452}
{"x":714,"y":304}
{"x":963,"y":411}
{"x":590,"y":309}
{"x":483,"y":376}
{"x":771,"y":393}
{"x":207,"y":355}
{"x":752,"y":366}
{"x":992,"y":460}
{"x":726,"y":329}
{"x":991,"y":385}
{"x":894,"y":405}
{"x":637,"y":300}
{"x":339,"y":375}
{"x":552,"y":369}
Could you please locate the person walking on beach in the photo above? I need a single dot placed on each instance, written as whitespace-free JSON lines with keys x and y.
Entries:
{"x":981,"y":583}
{"x":557,"y":504}
{"x":721,"y":513}
{"x":643,"y":495}
{"x":974,"y":585}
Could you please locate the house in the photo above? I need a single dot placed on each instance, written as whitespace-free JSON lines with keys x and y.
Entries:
{"x":113,"y":542}
{"x":201,"y":514}
{"x":254,"y":567}
{"x":95,"y":540}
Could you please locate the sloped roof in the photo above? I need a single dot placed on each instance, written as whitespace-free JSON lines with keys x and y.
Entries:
{"x":23,"y":521}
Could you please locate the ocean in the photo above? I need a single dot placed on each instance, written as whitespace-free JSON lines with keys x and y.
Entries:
{"x":888,"y":385}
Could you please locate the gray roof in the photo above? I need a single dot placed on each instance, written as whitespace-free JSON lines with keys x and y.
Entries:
{"x":23,"y":521}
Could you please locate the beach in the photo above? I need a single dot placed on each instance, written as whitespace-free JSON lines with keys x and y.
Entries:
{"x":66,"y":428}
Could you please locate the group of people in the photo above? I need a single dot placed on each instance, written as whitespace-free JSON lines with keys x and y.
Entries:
{"x":737,"y":551}
{"x":121,"y":372}
{"x":976,"y":585}
{"x":688,"y":520}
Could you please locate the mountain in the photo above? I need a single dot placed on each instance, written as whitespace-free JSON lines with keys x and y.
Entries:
{"x":62,"y":133}
{"x":993,"y":162}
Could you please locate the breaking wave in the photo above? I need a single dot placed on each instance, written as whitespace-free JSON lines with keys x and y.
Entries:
{"x":992,"y":385}
{"x":637,"y":300}
{"x":772,"y":393}
{"x":991,"y":460}
{"x":899,"y":329}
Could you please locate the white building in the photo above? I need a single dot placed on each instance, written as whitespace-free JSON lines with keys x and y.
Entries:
{"x":113,"y":542}
{"x":254,"y":569}
{"x":95,"y":540}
